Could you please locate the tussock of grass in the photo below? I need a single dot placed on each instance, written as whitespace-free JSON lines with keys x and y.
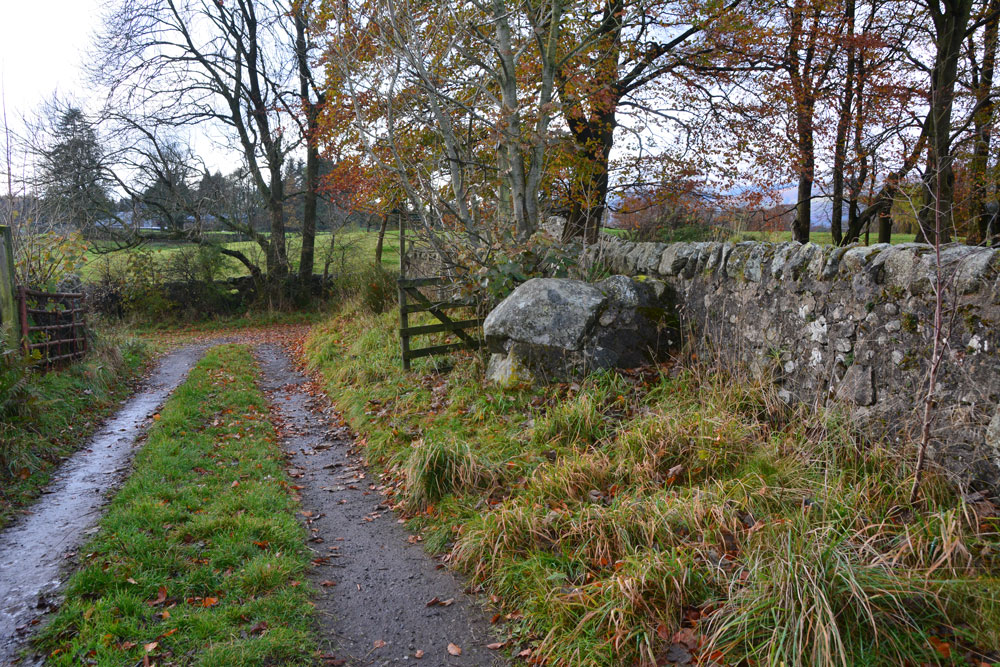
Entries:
{"x":200,"y":552}
{"x":52,"y":414}
{"x":437,"y":468}
{"x":608,"y":517}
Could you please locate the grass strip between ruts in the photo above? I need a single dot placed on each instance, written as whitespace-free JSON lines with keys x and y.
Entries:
{"x":199,"y":558}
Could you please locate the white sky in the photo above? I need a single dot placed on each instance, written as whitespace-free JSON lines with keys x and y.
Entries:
{"x":42,"y":46}
{"x":42,"y":43}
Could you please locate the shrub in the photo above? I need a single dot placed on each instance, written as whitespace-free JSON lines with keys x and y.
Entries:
{"x":373,"y":286}
{"x":45,"y":259}
{"x":16,"y":398}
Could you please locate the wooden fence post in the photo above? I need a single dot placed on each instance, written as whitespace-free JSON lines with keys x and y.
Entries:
{"x":8,"y":306}
{"x":404,"y":320}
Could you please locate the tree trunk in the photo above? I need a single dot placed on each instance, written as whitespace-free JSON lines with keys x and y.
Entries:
{"x":381,"y":239}
{"x":589,"y":185}
{"x":939,"y":177}
{"x":854,"y":224}
{"x":308,"y":252}
{"x":807,"y":175}
{"x":307,"y":255}
{"x":843,"y":126}
{"x":277,"y":256}
{"x":978,"y":231}
{"x":885,"y":223}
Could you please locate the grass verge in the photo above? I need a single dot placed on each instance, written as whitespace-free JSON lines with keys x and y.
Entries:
{"x":199,"y":558}
{"x":669,"y":516}
{"x":47,"y":416}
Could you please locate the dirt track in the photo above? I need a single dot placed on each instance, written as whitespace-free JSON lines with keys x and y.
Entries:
{"x":375,"y":612}
{"x":35,"y":552}
{"x":373,"y":579}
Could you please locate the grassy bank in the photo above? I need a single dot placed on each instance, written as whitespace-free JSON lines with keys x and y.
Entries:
{"x":669,"y":515}
{"x":44,"y":417}
{"x":199,"y":556}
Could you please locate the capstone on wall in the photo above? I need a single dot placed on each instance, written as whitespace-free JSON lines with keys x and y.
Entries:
{"x":850,"y":326}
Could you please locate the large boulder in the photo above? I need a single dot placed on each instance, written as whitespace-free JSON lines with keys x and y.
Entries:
{"x":552,"y":329}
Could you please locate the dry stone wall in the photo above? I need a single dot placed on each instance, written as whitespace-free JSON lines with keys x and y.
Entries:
{"x":850,"y":326}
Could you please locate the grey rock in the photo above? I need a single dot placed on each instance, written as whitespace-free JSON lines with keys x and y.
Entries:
{"x":553,"y":312}
{"x":857,"y":386}
{"x":553,"y":227}
{"x":782,"y":253}
{"x":552,"y":329}
{"x":673,"y":259}
{"x":755,"y":263}
{"x":993,"y":435}
{"x":972,"y":268}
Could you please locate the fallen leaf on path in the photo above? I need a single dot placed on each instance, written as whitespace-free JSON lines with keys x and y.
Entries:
{"x":419,"y":654}
{"x":379,"y":643}
{"x":496,"y":646}
{"x":454,"y":650}
{"x":327,"y":583}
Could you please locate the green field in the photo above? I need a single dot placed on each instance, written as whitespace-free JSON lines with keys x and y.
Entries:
{"x":169,"y":256}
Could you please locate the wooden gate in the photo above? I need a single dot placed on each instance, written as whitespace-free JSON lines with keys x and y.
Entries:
{"x":412,"y":300}
{"x":52,"y":325}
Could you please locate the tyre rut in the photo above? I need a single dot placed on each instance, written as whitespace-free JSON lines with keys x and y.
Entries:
{"x":374,"y":584}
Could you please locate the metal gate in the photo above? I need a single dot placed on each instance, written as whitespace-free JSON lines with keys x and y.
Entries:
{"x":53,"y":328}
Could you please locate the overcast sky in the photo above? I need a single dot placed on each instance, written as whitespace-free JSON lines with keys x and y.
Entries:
{"x":42,"y":43}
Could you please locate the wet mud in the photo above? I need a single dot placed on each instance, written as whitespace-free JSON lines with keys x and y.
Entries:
{"x":37,"y":550}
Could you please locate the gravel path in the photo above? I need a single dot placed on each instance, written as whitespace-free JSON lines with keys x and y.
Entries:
{"x":35,"y":550}
{"x":373,"y":607}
